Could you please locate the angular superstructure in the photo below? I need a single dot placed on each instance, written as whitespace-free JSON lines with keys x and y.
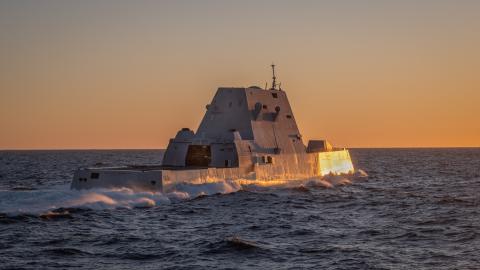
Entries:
{"x":247,"y":134}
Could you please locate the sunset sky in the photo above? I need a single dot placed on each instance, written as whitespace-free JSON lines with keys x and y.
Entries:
{"x":129,"y":74}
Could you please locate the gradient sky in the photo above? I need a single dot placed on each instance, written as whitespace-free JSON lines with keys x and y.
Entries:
{"x":129,"y":74}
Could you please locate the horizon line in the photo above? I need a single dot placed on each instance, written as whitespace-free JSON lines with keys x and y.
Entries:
{"x":133,"y":149}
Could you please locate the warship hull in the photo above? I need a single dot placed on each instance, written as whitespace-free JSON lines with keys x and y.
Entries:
{"x":165,"y":179}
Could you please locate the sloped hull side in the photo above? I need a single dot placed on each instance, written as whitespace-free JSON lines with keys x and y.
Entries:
{"x":136,"y":180}
{"x":285,"y":168}
{"x":306,"y":165}
{"x":336,"y":162}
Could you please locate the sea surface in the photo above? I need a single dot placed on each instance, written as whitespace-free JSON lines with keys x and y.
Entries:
{"x":416,"y":209}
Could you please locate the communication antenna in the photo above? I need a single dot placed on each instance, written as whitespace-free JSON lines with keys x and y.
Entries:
{"x":274,"y":79}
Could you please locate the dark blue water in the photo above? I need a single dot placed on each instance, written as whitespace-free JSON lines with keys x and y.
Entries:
{"x":418,"y":209}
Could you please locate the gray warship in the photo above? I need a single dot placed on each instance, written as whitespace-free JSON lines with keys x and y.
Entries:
{"x":247,"y":135}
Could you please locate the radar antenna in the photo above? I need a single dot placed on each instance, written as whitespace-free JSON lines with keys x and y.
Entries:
{"x":274,"y":79}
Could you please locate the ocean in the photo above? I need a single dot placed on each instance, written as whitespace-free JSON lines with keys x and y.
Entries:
{"x":416,"y":209}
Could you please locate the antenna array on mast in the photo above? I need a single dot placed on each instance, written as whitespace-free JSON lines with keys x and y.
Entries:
{"x":274,"y":79}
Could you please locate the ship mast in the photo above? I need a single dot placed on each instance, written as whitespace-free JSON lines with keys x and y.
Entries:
{"x":274,"y":79}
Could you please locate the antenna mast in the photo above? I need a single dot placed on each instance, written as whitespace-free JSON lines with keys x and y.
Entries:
{"x":274,"y":82}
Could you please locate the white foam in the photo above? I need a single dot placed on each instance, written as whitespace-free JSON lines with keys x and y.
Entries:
{"x":360,"y":173}
{"x":37,"y":202}
{"x":319,"y":183}
{"x":192,"y":191}
{"x":337,"y":180}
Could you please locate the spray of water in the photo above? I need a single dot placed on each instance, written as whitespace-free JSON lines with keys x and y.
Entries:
{"x":44,"y":202}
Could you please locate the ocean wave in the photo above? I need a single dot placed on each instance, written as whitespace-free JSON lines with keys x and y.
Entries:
{"x":65,"y":251}
{"x":45,"y":203}
{"x":238,"y":243}
{"x":188,"y":191}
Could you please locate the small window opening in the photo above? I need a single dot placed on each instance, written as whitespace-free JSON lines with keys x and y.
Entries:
{"x":263,"y":159}
{"x":289,"y":116}
{"x":94,"y":175}
{"x":274,"y":95}
{"x":264,"y":106}
{"x":269,"y":159}
{"x":153,"y":182}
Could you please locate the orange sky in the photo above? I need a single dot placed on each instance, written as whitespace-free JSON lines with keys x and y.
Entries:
{"x":129,"y":74}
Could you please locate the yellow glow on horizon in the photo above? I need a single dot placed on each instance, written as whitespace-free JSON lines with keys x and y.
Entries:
{"x":129,"y":75}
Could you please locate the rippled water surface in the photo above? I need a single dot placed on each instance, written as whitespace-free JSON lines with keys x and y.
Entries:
{"x":417,"y":209}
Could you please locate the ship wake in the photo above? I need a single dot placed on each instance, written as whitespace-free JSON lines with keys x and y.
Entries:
{"x":52,"y":203}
